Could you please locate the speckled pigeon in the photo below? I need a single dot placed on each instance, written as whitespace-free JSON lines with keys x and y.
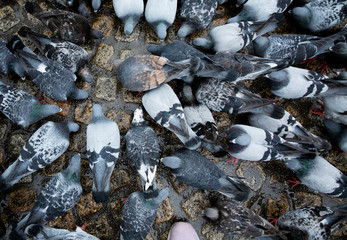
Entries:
{"x":160,"y":14}
{"x":23,"y":108}
{"x":103,"y":141}
{"x":236,"y":36}
{"x":320,"y":15}
{"x":59,"y":195}
{"x":143,"y":149}
{"x":191,"y":168}
{"x":312,"y":223}
{"x":337,"y":132}
{"x":46,"y":144}
{"x":182,"y":231}
{"x":318,"y":174}
{"x":235,"y":219}
{"x":255,"y":144}
{"x":66,"y":25}
{"x":9,"y":62}
{"x":139,"y":213}
{"x":129,"y":11}
{"x":164,"y":107}
{"x":196,"y":15}
{"x":70,"y":55}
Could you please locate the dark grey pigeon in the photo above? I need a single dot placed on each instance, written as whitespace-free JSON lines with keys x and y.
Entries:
{"x":23,"y":108}
{"x":292,"y":83}
{"x":65,"y":25}
{"x":47,"y":144}
{"x":43,"y":232}
{"x":103,"y":141}
{"x":160,"y":14}
{"x":312,"y":222}
{"x":193,"y":169}
{"x":236,"y":36}
{"x":320,"y":15}
{"x":139,"y":213}
{"x":59,"y":195}
{"x":70,"y":55}
{"x":196,"y":15}
{"x":143,"y":149}
{"x":318,"y":174}
{"x":255,"y":144}
{"x":259,"y":10}
{"x":235,"y":219}
{"x":9,"y":62}
{"x":337,"y":132}
{"x":164,"y":107}
{"x":96,"y":5}
{"x":78,"y":5}
{"x":129,"y":11}
{"x":337,"y":55}
{"x":286,"y":126}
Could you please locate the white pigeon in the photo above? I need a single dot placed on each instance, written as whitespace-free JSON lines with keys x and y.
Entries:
{"x":129,"y":11}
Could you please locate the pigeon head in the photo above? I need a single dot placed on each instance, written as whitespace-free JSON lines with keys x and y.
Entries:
{"x":152,"y":198}
{"x":302,"y":15}
{"x":138,"y":117}
{"x":96,"y":5}
{"x":203,"y":43}
{"x":97,"y":112}
{"x":73,"y":171}
{"x":278,"y":79}
{"x":129,"y":25}
{"x":187,"y":93}
{"x":237,"y":139}
{"x":185,"y":30}
{"x":260,"y":44}
{"x":72,"y":127}
{"x":212,"y":213}
{"x":41,"y":111}
{"x":155,"y":49}
{"x":160,"y":29}
{"x":172,"y":162}
{"x":77,"y":94}
{"x":340,"y":47}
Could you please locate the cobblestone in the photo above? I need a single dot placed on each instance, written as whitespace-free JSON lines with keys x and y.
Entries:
{"x":103,"y":56}
{"x":7,"y":19}
{"x":106,"y":88}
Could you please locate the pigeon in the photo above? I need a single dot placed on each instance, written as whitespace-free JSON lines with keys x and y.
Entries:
{"x":50,"y":76}
{"x":255,"y":144}
{"x":70,"y":55}
{"x":319,"y":15}
{"x":139,"y":213}
{"x":96,"y":5}
{"x":182,"y":231}
{"x":78,"y":5}
{"x":146,"y":72}
{"x":191,"y":168}
{"x":143,"y":149}
{"x":222,"y":96}
{"x":66,"y":25}
{"x":196,"y":15}
{"x":47,"y":144}
{"x":286,"y":126}
{"x":164,"y":107}
{"x":103,"y":141}
{"x":23,"y":108}
{"x":9,"y":62}
{"x":335,"y":108}
{"x":259,"y":10}
{"x":318,"y":174}
{"x":235,"y":219}
{"x":236,"y":36}
{"x":314,"y":222}
{"x":129,"y":11}
{"x":337,"y":132}
{"x":42,"y":232}
{"x":160,"y":14}
{"x":296,"y":48}
{"x":59,"y":195}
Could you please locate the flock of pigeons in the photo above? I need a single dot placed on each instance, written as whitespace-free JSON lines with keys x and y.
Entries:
{"x":210,"y":83}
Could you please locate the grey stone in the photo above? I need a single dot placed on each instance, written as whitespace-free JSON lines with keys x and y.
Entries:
{"x":83,"y":112}
{"x":121,"y":37}
{"x":103,"y":56}
{"x":304,"y":199}
{"x":165,"y":212}
{"x":122,"y":119}
{"x":211,"y":232}
{"x":251,"y":174}
{"x":106,"y":88}
{"x":3,"y":128}
{"x":16,"y":142}
{"x":77,"y":141}
{"x":125,"y":53}
{"x":132,"y":97}
{"x":8,"y":19}
{"x":194,"y":205}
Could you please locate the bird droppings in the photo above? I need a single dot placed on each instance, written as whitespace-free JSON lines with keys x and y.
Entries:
{"x":7,"y":19}
{"x":22,"y":200}
{"x":103,"y":56}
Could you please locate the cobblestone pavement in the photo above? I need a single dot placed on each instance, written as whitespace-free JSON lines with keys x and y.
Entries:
{"x":272,"y":193}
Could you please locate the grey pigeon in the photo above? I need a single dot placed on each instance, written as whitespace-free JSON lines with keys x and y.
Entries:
{"x":255,"y":144}
{"x":337,"y":55}
{"x":312,"y":223}
{"x":23,"y":108}
{"x":235,"y":219}
{"x":78,"y":5}
{"x":286,"y":126}
{"x":139,"y":213}
{"x":191,"y":168}
{"x":129,"y":11}
{"x":96,"y":5}
{"x":143,"y":149}
{"x":320,"y":15}
{"x":181,"y":231}
{"x":59,"y":195}
{"x":66,"y":25}
{"x":160,"y":14}
{"x":42,"y":232}
{"x":259,"y":10}
{"x":292,"y":83}
{"x":50,"y":76}
{"x":236,"y":36}
{"x":9,"y":62}
{"x":164,"y":107}
{"x":196,"y":15}
{"x":318,"y":174}
{"x":335,"y":108}
{"x":47,"y":144}
{"x":146,"y":72}
{"x":70,"y":55}
{"x":337,"y":132}
{"x":103,"y":141}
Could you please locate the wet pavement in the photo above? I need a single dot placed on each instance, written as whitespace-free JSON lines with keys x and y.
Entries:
{"x":271,"y":194}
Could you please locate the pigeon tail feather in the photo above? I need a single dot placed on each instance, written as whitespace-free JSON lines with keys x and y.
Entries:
{"x":275,"y":21}
{"x":100,"y":197}
{"x":233,"y":188}
{"x":32,"y":7}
